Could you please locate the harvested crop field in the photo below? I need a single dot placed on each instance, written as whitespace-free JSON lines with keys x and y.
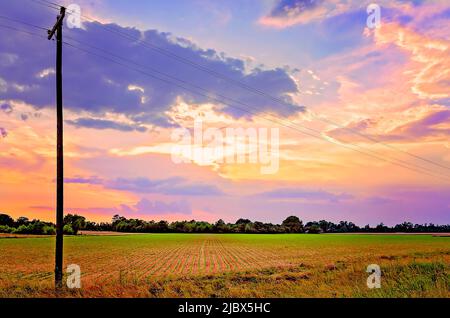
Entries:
{"x":230,"y":265}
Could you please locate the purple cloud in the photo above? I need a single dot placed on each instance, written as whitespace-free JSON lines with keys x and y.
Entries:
{"x":82,"y":180}
{"x":142,"y":207}
{"x":98,"y":86}
{"x":169,"y":186}
{"x":105,"y":124}
{"x":287,"y":13}
{"x":3,"y":132}
{"x":7,"y":108}
{"x":292,"y":193}
{"x":288,"y":7}
{"x":145,"y":206}
{"x":379,"y":200}
{"x":427,"y":127}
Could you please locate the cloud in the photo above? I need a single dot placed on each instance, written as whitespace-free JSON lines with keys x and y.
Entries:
{"x":105,"y":124}
{"x":429,"y":125}
{"x":141,"y":208}
{"x":308,"y":195}
{"x":434,"y":125}
{"x":145,"y":206}
{"x":429,"y":57}
{"x":287,"y":13}
{"x":98,"y":86}
{"x":6,"y":108}
{"x":42,"y":207}
{"x":3,"y":132}
{"x":7,"y":59}
{"x":377,"y":200}
{"x":168,"y":186}
{"x":83,"y":180}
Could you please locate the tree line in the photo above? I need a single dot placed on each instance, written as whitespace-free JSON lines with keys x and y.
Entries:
{"x":292,"y":224}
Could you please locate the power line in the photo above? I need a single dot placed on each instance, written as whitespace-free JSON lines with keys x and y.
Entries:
{"x":47,"y":4}
{"x":22,"y":22}
{"x":319,"y":136}
{"x":22,"y":31}
{"x":250,"y":88}
{"x":382,"y":143}
{"x":207,"y":92}
{"x":257,"y":115}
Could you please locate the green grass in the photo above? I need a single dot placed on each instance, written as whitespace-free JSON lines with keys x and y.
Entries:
{"x":231,"y":265}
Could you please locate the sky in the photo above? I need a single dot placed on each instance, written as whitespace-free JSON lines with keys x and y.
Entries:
{"x":357,"y":118}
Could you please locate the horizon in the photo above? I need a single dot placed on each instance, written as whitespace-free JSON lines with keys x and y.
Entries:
{"x":232,"y":222}
{"x":332,"y":72}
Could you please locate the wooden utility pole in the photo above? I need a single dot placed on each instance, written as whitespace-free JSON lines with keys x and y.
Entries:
{"x":57,"y":28}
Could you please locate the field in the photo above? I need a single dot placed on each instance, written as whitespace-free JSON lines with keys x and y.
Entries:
{"x":230,"y":265}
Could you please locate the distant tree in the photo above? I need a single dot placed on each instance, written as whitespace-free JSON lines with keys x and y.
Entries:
{"x":76,"y":222}
{"x":104,"y":226}
{"x":260,"y":227}
{"x":293,"y":224}
{"x":5,"y":219}
{"x":6,"y":229}
{"x":352,"y":227}
{"x":91,"y":226}
{"x":325,"y":226}
{"x":342,"y":227}
{"x":249,"y":228}
{"x":162,"y":226}
{"x":68,"y":230}
{"x":243,"y":221}
{"x":35,"y":227}
{"x":220,"y":226}
{"x":314,"y":229}
{"x":22,"y":221}
{"x":404,"y":227}
{"x":117,"y":219}
{"x":73,"y":223}
{"x":381,"y":228}
{"x":178,"y":227}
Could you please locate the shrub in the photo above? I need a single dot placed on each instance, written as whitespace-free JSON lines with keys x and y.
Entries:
{"x":314,"y":229}
{"x":67,"y":229}
{"x":35,"y":227}
{"x":23,"y":229}
{"x":76,"y":222}
{"x":49,"y":230}
{"x":293,"y":224}
{"x":6,"y":229}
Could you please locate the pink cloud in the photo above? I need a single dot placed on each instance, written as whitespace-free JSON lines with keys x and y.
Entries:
{"x":429,"y":126}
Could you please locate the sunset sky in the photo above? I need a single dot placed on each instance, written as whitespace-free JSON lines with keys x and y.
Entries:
{"x":382,"y":91}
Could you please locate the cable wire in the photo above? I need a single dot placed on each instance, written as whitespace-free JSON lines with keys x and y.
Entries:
{"x":402,"y":163}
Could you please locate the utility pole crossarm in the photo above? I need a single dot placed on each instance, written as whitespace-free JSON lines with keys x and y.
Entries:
{"x":59,"y":22}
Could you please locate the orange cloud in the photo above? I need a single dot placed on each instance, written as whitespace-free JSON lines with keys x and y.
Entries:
{"x":429,"y":65}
